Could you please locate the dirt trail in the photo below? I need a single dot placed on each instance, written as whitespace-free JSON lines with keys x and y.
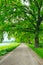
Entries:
{"x":22,"y":55}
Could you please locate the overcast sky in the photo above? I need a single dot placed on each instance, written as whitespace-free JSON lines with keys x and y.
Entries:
{"x":25,"y":3}
{"x":6,"y":38}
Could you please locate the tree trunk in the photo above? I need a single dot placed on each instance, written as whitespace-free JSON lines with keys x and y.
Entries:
{"x":37,"y":30}
{"x":36,"y":40}
{"x":37,"y":37}
{"x":1,"y":37}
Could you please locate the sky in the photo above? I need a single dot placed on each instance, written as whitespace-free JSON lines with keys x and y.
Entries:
{"x":6,"y":38}
{"x":25,"y":3}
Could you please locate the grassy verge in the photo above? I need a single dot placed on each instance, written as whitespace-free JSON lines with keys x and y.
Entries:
{"x":7,"y":48}
{"x":39,"y":51}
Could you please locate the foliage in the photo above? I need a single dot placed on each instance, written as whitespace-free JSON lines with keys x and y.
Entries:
{"x":39,"y":51}
{"x":7,"y":48}
{"x":21,"y":20}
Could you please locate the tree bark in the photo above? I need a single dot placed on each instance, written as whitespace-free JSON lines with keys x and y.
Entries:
{"x":29,"y":40}
{"x":36,"y":40}
{"x":37,"y":30}
{"x":37,"y":36}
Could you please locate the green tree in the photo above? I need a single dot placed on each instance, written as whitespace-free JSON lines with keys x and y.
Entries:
{"x":35,"y":16}
{"x":16,"y":15}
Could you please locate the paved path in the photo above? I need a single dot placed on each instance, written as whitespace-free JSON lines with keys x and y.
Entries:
{"x":22,"y":55}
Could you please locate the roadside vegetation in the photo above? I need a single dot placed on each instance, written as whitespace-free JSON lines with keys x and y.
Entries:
{"x":39,"y":50}
{"x":7,"y":48}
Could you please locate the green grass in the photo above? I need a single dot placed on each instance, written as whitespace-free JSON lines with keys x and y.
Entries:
{"x":7,"y":48}
{"x":39,"y":51}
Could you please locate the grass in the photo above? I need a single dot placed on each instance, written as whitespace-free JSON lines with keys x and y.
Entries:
{"x":39,"y":51}
{"x":7,"y":48}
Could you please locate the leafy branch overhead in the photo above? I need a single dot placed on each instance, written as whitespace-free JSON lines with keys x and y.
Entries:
{"x":21,"y":15}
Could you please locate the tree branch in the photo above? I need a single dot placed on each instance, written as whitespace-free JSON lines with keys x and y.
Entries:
{"x":31,"y":21}
{"x":32,"y":14}
{"x":40,"y":3}
{"x":36,"y":3}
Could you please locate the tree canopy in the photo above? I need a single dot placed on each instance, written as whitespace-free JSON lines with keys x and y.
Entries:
{"x":21,"y":18}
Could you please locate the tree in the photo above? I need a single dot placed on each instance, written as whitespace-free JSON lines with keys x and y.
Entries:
{"x":15,"y":12}
{"x":35,"y":16}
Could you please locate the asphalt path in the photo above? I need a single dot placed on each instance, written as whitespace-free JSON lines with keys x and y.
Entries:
{"x":22,"y":55}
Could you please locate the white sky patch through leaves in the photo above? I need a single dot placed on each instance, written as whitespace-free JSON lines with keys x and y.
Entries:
{"x":25,"y":3}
